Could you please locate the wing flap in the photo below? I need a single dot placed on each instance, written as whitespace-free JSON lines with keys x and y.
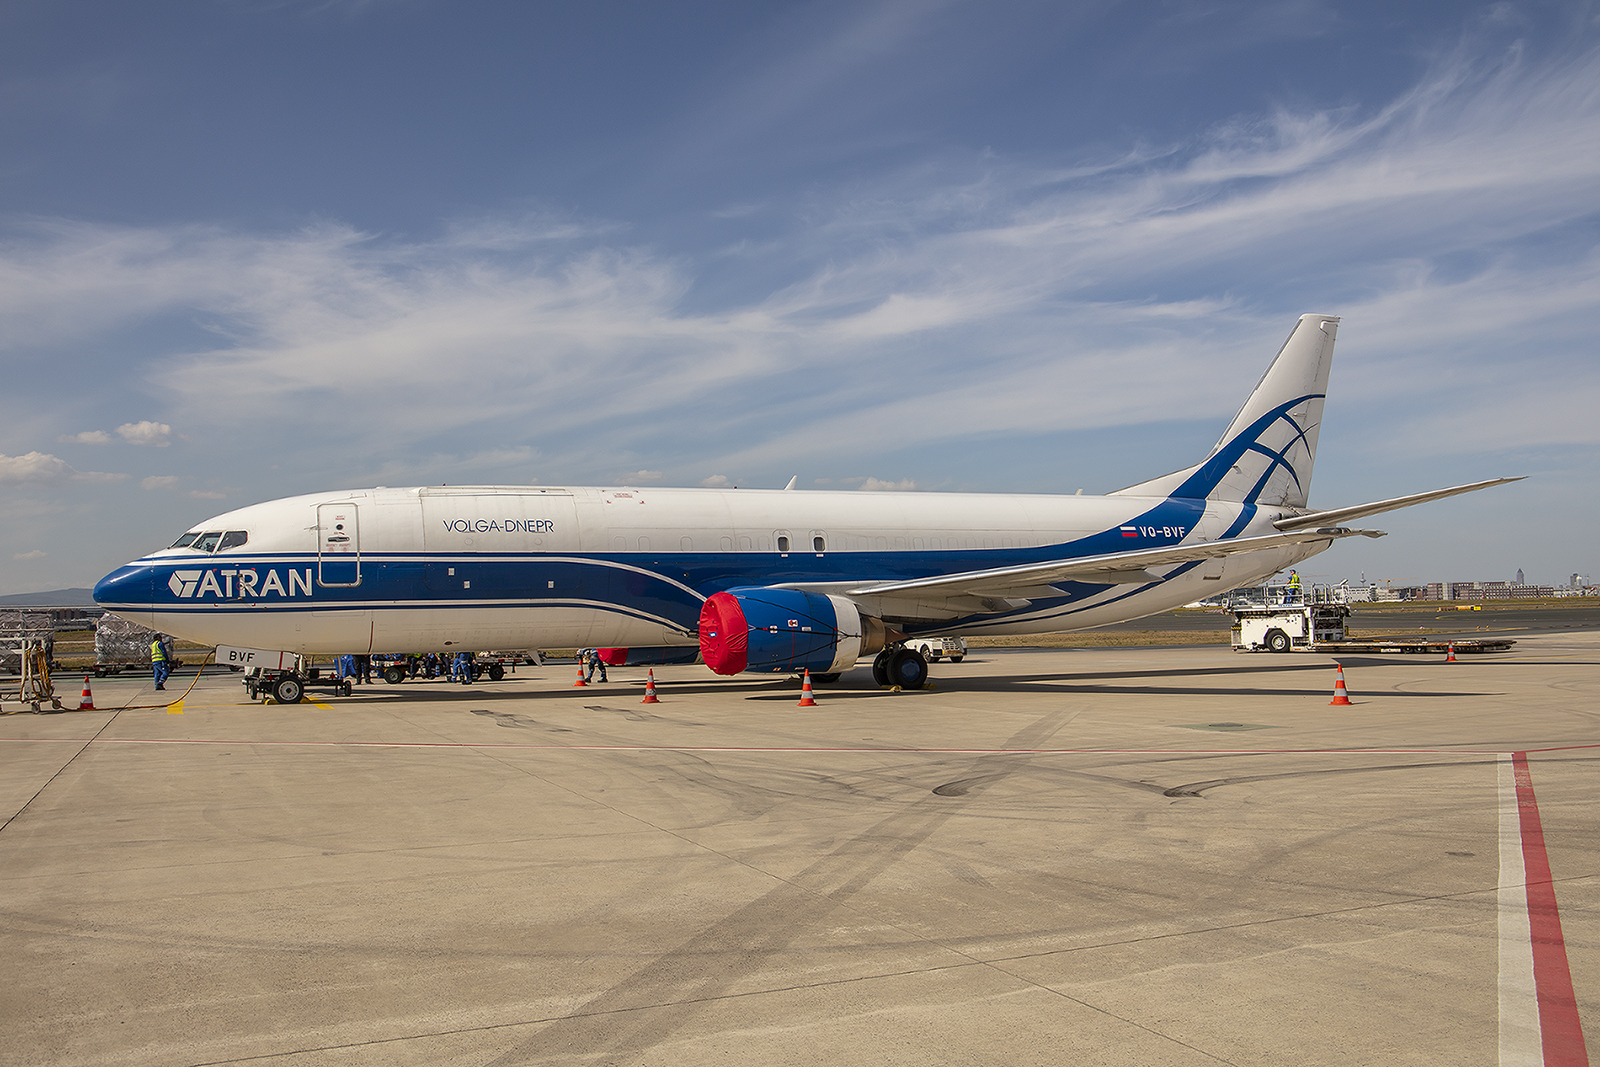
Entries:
{"x":1113,"y":568}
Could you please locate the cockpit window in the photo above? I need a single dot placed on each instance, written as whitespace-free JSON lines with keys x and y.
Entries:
{"x":186,"y":540}
{"x":208,"y":541}
{"x":233,"y":539}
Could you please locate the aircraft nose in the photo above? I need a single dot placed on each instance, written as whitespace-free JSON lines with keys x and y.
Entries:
{"x":129,"y":592}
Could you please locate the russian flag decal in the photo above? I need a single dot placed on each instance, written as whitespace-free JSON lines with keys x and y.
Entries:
{"x":1130,"y":531}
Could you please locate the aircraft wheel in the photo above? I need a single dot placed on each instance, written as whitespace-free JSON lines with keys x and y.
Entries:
{"x":1277,"y":641}
{"x":496,"y":672}
{"x":908,"y":669}
{"x":394,"y":675}
{"x":880,"y":667}
{"x":287,"y":690}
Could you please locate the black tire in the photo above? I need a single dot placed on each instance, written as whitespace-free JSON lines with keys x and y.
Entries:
{"x":250,"y":690}
{"x":496,"y":672}
{"x":1278,"y":641}
{"x":825,"y":679}
{"x":908,"y":669}
{"x":880,"y":667}
{"x":288,"y":690}
{"x":347,"y":688}
{"x":957,"y":659}
{"x":394,"y":675}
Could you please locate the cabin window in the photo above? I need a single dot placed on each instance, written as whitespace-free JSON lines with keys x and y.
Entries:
{"x":686,"y":543}
{"x":881,"y":543}
{"x":208,"y":541}
{"x":233,"y":539}
{"x":745,"y":544}
{"x":935,"y":543}
{"x":186,"y":540}
{"x":644,"y":544}
{"x":783,"y":544}
{"x":916,"y":542}
{"x":819,"y":545}
{"x":727,"y":544}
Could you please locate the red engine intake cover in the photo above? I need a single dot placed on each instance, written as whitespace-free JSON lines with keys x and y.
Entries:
{"x":613,"y":657}
{"x":724,"y":634}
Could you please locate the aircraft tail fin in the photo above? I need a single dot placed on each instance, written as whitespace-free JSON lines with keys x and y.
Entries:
{"x":1266,"y":455}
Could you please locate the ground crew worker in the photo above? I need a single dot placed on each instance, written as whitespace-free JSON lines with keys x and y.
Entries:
{"x":1294,"y":585}
{"x":595,"y":661}
{"x":160,"y":660}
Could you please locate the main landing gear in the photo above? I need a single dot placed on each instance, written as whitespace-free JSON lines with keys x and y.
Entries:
{"x":898,"y":666}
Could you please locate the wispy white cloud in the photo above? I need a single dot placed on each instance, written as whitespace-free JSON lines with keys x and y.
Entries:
{"x":87,"y":437}
{"x":160,"y":481}
{"x":153,"y":434}
{"x":37,"y":553}
{"x":41,"y":468}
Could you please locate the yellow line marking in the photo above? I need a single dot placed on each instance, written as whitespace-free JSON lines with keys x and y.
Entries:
{"x":320,"y":704}
{"x":175,"y":708}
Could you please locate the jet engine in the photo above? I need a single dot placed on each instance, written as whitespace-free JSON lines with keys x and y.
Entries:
{"x":784,"y":631}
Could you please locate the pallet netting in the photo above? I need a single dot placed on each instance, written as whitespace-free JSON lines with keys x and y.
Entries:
{"x":19,"y":626}
{"x":118,"y":642}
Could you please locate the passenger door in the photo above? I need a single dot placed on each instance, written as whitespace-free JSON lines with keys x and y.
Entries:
{"x":338,"y":545}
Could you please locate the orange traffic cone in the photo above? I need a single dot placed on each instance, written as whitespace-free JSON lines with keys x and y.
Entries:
{"x":650,"y":689}
{"x":580,"y":680}
{"x":806,"y":700}
{"x":87,"y":702}
{"x":1340,"y":696}
{"x":1451,"y":658}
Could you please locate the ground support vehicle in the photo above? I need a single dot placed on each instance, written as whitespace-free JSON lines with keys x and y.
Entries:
{"x":1287,"y":621}
{"x":934,"y":647}
{"x":1315,"y":622}
{"x":288,"y":686}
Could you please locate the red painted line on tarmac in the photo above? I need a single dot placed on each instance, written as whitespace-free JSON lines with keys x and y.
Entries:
{"x":1561,"y":1029}
{"x":782,"y":748}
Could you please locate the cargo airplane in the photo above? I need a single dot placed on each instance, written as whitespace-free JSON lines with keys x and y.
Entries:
{"x":753,"y":580}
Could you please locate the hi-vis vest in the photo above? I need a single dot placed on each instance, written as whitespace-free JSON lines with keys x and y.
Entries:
{"x":157,"y":653}
{"x":1294,"y":581}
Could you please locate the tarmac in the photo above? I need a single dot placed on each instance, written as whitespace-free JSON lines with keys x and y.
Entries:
{"x":1143,"y":856}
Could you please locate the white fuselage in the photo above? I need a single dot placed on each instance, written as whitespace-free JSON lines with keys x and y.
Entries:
{"x":471,"y":568}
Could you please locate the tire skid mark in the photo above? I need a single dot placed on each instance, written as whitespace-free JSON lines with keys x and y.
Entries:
{"x":660,"y":998}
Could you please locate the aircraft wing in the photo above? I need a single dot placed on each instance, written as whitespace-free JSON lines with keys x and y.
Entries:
{"x":1361,"y":511}
{"x":1033,"y":581}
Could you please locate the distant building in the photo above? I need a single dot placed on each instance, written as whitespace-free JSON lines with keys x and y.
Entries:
{"x":1519,"y":575}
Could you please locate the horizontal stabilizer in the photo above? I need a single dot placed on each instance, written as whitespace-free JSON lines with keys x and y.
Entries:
{"x":1361,"y":511}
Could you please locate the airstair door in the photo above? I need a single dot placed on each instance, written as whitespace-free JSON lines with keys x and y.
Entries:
{"x":338,"y":545}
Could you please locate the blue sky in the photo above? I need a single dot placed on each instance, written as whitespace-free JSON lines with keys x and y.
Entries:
{"x":253,"y":248}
